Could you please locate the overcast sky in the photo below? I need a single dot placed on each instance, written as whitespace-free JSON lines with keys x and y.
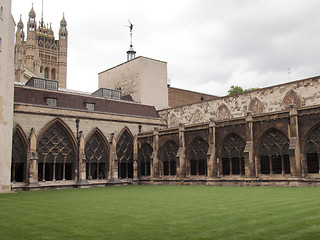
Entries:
{"x":209,"y":45}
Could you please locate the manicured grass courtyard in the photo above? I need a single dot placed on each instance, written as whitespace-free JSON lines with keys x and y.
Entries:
{"x":162,"y":212}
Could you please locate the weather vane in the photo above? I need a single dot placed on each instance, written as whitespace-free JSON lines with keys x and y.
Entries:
{"x":131,"y":27}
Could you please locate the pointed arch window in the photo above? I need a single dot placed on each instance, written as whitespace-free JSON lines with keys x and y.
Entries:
{"x":46,"y":73}
{"x":56,"y":155}
{"x":232,"y":155}
{"x":274,"y":153}
{"x":168,"y":155}
{"x":53,"y":74}
{"x":198,"y":157}
{"x":19,"y":158}
{"x":312,"y":150}
{"x":97,"y":156}
{"x":125,"y":156}
{"x":144,"y":159}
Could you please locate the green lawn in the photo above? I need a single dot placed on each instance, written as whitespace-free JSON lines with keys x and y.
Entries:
{"x":162,"y":212}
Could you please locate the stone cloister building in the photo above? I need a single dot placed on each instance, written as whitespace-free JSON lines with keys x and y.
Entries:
{"x":120,"y":141}
{"x":136,"y":129}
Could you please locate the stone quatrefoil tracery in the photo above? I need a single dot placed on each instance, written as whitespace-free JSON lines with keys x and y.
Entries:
{"x":55,"y":144}
{"x":97,"y":157}
{"x":198,"y":157}
{"x":125,"y":156}
{"x":169,"y":153}
{"x":232,"y":155}
{"x":274,"y":153}
{"x":313,"y":151}
{"x":56,"y":155}
{"x":144,"y":159}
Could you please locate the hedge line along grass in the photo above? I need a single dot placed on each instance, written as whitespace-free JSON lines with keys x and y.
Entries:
{"x":162,"y":212}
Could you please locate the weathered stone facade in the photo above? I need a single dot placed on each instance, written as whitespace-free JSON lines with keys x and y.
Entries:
{"x":266,"y":100}
{"x":274,"y":149}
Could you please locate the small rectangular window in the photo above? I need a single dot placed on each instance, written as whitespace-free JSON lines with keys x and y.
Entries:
{"x":39,"y":83}
{"x":90,"y":106}
{"x":52,"y":102}
{"x":52,"y":85}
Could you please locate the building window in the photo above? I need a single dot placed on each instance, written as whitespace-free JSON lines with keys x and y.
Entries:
{"x":39,"y":83}
{"x":90,"y":106}
{"x":52,"y":85}
{"x":52,"y":102}
{"x":46,"y":73}
{"x":53,"y":74}
{"x":41,"y":69}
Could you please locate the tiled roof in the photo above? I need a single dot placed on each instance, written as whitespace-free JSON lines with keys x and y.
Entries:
{"x":72,"y":100}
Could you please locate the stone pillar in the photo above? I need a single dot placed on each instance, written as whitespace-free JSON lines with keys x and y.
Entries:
{"x":248,"y":150}
{"x":154,"y":156}
{"x":82,"y":159}
{"x":212,"y":167}
{"x":113,"y":159}
{"x":135,"y":158}
{"x":294,"y":148}
{"x":32,"y":160}
{"x":181,"y":154}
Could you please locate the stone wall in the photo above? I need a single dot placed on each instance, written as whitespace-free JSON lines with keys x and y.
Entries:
{"x":37,"y":118}
{"x":302,"y":93}
{"x":6,"y":93}
{"x":143,"y":78}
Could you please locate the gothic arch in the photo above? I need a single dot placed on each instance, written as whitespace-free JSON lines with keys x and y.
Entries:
{"x":56,"y":150}
{"x":312,"y":149}
{"x":223,"y":112}
{"x":97,"y":155}
{"x":53,"y":74}
{"x":173,"y":120}
{"x":197,"y":116}
{"x":168,"y":158}
{"x":231,"y":155}
{"x":291,"y":97}
{"x":198,"y":157}
{"x":124,"y":151}
{"x":144,"y":162}
{"x":274,"y":153}
{"x":19,"y":155}
{"x":256,"y":106}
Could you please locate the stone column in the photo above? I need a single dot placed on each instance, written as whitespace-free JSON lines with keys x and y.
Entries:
{"x":154,"y":156}
{"x":248,"y":150}
{"x":181,"y":154}
{"x":32,"y":160}
{"x":135,"y":158}
{"x":294,"y":148}
{"x":113,"y":159}
{"x":212,"y":167}
{"x":82,"y":159}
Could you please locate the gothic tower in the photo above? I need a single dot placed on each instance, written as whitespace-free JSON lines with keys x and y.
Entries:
{"x":63,"y":43}
{"x":41,"y":55}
